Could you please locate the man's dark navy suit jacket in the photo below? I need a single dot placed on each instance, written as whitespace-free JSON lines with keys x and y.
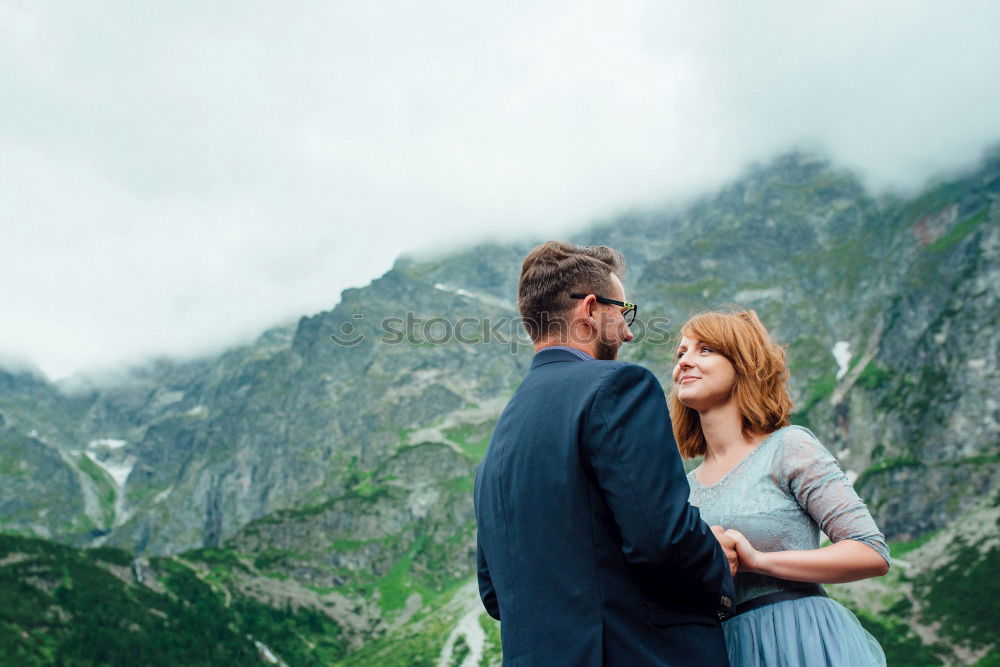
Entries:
{"x":589,"y":552}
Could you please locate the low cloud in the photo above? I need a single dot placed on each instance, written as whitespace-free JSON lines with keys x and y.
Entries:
{"x":179,"y":177}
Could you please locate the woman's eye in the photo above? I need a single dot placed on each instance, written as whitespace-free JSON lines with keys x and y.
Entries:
{"x":707,"y":349}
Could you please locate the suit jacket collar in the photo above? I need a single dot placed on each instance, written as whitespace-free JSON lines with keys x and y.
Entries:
{"x":548,"y":356}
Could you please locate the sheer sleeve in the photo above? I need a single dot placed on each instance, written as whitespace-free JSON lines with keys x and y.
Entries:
{"x":819,"y":485}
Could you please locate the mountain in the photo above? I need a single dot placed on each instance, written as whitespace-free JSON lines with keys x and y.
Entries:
{"x":327,"y":467}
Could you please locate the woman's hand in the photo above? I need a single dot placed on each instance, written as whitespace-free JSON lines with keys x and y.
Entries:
{"x":838,"y":563}
{"x":751,"y":560}
{"x":728,"y":548}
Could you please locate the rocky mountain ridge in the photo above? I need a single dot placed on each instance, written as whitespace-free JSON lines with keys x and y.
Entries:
{"x":337,"y":454}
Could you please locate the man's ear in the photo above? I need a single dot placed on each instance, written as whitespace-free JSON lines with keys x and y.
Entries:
{"x":587,"y":307}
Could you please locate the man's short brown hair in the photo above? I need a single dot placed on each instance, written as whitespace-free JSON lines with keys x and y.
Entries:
{"x":554,"y":270}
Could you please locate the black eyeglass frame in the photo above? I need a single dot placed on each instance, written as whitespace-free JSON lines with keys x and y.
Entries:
{"x":629,"y":307}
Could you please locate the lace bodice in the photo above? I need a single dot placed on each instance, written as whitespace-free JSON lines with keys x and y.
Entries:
{"x":781,"y":496}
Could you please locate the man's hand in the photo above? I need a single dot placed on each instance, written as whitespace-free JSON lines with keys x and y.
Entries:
{"x":728,"y":544}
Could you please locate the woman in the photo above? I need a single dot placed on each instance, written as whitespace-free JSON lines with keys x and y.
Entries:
{"x":773,"y":487}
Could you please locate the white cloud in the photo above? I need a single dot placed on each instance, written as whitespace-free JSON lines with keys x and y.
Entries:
{"x":178,"y":176}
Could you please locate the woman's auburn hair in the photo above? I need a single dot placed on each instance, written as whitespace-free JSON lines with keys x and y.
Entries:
{"x":761,"y":386}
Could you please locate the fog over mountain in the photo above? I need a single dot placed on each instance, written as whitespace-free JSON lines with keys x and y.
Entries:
{"x":176,"y":178}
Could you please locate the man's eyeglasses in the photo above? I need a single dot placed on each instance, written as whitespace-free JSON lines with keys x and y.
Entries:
{"x":629,"y":310}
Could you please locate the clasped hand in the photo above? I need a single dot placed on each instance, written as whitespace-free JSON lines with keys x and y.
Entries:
{"x":739,"y":552}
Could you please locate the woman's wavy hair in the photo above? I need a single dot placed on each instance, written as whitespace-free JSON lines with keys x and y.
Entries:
{"x":761,"y":387}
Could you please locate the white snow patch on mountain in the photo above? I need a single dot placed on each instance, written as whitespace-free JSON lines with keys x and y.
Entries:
{"x":110,"y":443}
{"x":468,"y":627}
{"x":119,"y":472}
{"x":842,"y":353}
{"x":485,"y":298}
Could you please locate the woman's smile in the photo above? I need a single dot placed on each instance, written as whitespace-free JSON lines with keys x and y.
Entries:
{"x":703,"y":376}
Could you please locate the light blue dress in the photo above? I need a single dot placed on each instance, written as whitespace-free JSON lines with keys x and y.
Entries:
{"x":780,"y":497}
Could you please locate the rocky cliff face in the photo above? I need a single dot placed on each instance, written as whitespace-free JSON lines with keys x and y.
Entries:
{"x":338,"y":452}
{"x":903,"y":291}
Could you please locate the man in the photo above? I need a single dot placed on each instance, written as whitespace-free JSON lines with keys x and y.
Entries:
{"x":589,"y":552}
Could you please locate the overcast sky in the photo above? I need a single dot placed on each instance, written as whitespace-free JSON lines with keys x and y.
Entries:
{"x":177,"y":176}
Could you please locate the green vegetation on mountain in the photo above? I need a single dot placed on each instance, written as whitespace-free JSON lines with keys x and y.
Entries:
{"x":64,"y":606}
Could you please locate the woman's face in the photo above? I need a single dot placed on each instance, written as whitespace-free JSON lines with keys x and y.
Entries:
{"x":703,"y":378}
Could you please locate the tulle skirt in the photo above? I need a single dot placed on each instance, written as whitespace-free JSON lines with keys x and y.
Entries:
{"x":808,"y":632}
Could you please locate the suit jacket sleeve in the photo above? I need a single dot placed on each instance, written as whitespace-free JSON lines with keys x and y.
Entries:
{"x":486,"y":591}
{"x":634,"y":458}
